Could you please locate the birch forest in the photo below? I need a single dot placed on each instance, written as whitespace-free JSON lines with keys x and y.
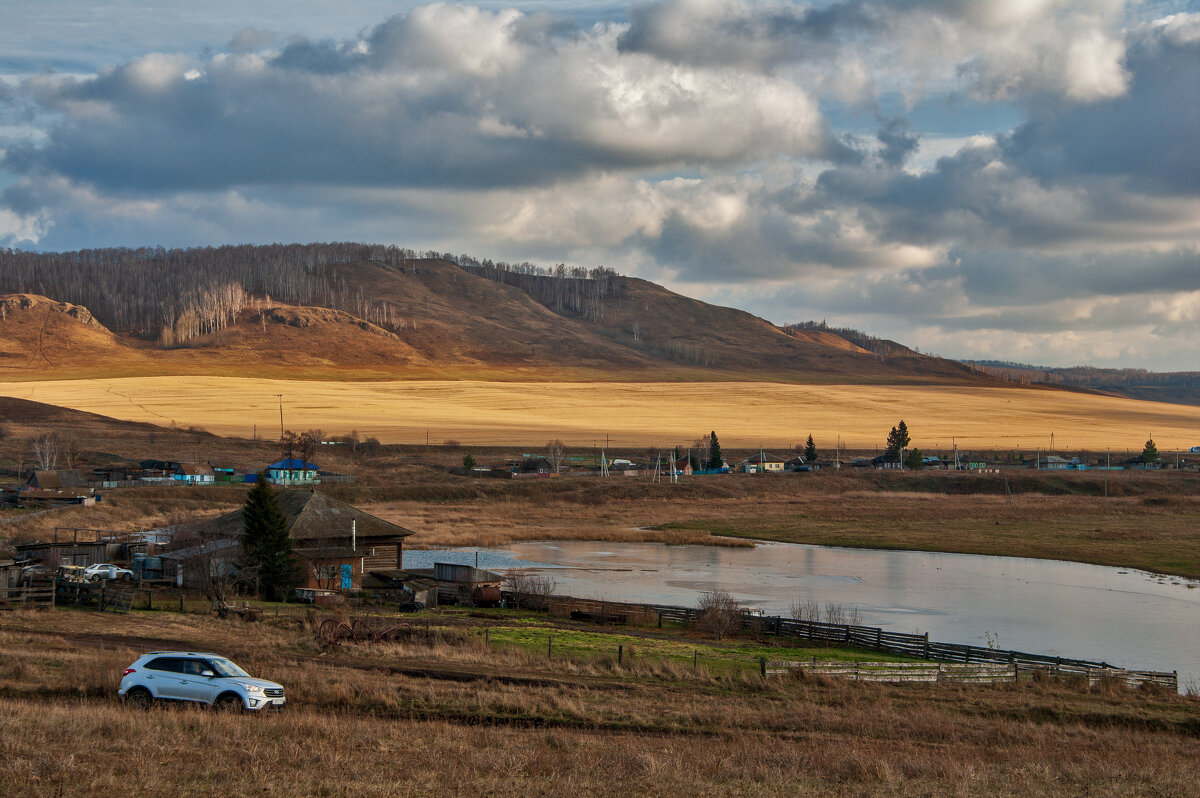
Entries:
{"x":175,"y":295}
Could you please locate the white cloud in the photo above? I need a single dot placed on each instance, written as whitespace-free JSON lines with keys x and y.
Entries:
{"x":689,"y":142}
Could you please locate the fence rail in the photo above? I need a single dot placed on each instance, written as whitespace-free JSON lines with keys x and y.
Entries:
{"x":36,"y":596}
{"x":978,"y":673}
{"x":866,"y":637}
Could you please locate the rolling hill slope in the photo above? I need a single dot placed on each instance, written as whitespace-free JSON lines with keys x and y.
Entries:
{"x":431,"y":318}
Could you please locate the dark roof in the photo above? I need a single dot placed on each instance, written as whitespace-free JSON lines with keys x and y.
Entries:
{"x":293,"y":464}
{"x":764,"y":458}
{"x":194,"y":470}
{"x":56,"y":480}
{"x":312,"y":518}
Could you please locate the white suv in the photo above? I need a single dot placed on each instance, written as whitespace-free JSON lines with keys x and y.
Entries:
{"x":201,"y":678}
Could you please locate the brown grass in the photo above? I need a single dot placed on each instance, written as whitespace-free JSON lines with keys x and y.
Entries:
{"x":355,"y":727}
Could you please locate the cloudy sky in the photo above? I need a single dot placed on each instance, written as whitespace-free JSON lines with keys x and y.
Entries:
{"x":1015,"y":180}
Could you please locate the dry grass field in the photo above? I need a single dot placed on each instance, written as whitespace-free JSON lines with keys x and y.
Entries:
{"x":489,"y":722}
{"x":772,"y":415}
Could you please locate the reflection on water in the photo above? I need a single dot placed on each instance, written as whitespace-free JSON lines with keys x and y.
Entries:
{"x":1128,"y":618}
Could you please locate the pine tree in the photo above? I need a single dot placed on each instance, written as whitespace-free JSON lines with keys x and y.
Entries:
{"x":468,"y":462}
{"x":1149,"y":452}
{"x":810,"y":449}
{"x":897,"y":440}
{"x":714,"y":452}
{"x":267,"y":556}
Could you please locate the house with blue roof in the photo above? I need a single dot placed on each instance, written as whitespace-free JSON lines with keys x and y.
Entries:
{"x":293,"y":471}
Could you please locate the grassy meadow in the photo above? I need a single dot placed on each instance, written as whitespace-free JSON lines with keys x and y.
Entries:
{"x":664,"y":414}
{"x":459,"y":717}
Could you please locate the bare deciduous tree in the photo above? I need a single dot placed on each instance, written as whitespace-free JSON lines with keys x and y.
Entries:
{"x":530,"y":589}
{"x":209,"y":564}
{"x":46,"y":451}
{"x":720,"y":613}
{"x":844,"y":614}
{"x":555,"y":454}
{"x":806,"y":610}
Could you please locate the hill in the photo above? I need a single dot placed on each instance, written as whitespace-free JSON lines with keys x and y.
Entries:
{"x":1176,"y":387}
{"x":350,"y":312}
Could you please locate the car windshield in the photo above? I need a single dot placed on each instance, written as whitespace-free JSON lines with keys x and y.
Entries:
{"x":224,"y":667}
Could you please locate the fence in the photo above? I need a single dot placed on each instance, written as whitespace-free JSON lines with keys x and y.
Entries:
{"x":978,"y":673}
{"x":866,"y":637}
{"x":39,"y":596}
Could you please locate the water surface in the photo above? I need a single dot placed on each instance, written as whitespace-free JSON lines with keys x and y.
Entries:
{"x":1126,"y":617}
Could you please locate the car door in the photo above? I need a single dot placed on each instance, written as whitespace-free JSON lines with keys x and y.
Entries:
{"x":163,"y":677}
{"x":193,"y":684}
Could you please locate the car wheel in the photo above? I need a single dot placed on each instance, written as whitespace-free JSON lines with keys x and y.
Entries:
{"x":139,"y":698}
{"x":127,"y":577}
{"x":228,"y":702}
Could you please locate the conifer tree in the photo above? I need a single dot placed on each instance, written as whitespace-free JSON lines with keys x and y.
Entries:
{"x":1149,"y":452}
{"x":810,"y":449}
{"x":714,"y":452}
{"x":897,"y":440}
{"x":267,"y":558}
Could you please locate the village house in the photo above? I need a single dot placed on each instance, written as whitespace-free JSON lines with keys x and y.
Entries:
{"x":59,"y":487}
{"x":761,"y":463}
{"x":336,"y":543}
{"x":293,"y":471}
{"x":194,"y":474}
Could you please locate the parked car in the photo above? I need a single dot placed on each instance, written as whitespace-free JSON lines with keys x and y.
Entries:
{"x":208,"y":679}
{"x":104,"y":570}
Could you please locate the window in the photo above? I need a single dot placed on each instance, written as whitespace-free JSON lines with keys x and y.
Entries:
{"x":168,"y":664}
{"x":224,"y":667}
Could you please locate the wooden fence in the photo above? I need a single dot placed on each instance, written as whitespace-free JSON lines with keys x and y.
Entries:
{"x":866,"y":637}
{"x":40,"y":596}
{"x":977,"y":673}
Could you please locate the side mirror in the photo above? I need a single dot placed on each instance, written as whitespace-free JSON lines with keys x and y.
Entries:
{"x":209,"y":674}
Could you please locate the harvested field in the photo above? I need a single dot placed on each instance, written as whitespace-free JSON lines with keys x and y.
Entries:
{"x":665,"y":414}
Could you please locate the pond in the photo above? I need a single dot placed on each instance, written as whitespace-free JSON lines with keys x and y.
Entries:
{"x":1126,"y":617}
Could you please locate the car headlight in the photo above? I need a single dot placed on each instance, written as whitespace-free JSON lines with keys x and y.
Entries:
{"x":251,"y":688}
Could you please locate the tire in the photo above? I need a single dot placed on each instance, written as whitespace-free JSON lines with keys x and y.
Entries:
{"x":139,"y":698}
{"x":126,"y":577}
{"x":228,"y":702}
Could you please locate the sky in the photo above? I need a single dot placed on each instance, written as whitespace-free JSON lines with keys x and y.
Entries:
{"x":1015,"y":180}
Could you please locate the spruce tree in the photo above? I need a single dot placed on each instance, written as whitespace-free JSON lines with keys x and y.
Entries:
{"x":267,"y":556}
{"x":810,"y":449}
{"x":1149,"y":452}
{"x":714,"y":452}
{"x":897,"y":440}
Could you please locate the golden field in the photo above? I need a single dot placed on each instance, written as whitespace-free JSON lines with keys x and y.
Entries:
{"x":745,"y":414}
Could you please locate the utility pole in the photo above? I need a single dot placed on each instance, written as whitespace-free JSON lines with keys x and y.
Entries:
{"x":1107,"y":468}
{"x":280,"y":416}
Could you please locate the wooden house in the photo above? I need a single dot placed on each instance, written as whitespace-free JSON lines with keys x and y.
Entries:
{"x":292,"y":471}
{"x":762,"y":463}
{"x":194,"y":474}
{"x":336,"y":543}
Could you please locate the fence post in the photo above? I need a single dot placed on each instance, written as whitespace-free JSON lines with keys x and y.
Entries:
{"x":102,"y":586}
{"x":927,"y":645}
{"x":180,"y":603}
{"x":550,"y":646}
{"x":487,"y":637}
{"x":762,"y":666}
{"x":878,"y":639}
{"x":620,"y":655}
{"x":695,"y":659}
{"x":660,"y":619}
